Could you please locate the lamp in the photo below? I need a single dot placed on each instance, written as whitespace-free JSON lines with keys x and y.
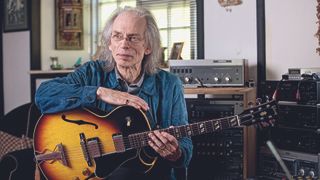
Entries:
{"x":227,"y":3}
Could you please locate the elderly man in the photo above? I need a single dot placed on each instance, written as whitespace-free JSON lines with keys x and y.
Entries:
{"x":127,"y":74}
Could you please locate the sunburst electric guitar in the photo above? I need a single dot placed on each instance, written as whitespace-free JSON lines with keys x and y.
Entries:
{"x":81,"y":144}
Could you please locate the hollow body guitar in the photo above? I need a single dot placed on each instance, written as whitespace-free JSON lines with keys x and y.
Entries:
{"x":82,"y":144}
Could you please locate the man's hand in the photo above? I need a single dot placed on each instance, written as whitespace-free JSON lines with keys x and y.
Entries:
{"x":121,"y":98}
{"x":165,"y":144}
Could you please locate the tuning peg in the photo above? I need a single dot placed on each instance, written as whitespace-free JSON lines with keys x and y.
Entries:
{"x":250,"y":104}
{"x":267,"y":98}
{"x":258,"y":101}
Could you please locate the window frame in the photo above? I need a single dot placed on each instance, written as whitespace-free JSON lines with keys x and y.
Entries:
{"x":199,"y":41}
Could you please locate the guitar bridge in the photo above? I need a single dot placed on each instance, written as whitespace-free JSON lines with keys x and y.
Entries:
{"x":55,"y":155}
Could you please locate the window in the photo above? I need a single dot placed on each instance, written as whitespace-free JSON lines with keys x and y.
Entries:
{"x":176,"y":19}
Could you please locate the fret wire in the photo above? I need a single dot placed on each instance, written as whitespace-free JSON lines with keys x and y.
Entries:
{"x":208,"y":126}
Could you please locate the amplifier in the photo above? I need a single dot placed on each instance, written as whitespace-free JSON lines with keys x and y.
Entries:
{"x":298,"y":115}
{"x":303,"y":91}
{"x":300,"y":165}
{"x":297,"y":73}
{"x":220,"y":155}
{"x":210,"y":72}
{"x":303,"y":140}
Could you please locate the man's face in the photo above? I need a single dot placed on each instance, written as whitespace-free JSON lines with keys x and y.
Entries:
{"x":128,"y":45}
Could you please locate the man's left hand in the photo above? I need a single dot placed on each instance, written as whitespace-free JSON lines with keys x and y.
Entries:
{"x":165,"y":144}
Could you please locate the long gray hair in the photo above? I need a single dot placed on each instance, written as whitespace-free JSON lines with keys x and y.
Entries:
{"x":152,"y":36}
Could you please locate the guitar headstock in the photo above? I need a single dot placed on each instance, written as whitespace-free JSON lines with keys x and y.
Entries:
{"x":265,"y":113}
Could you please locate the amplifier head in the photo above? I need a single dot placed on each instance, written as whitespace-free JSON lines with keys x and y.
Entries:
{"x":210,"y":72}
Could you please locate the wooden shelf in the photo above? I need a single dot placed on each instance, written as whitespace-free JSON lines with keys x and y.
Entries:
{"x":249,"y":93}
{"x":63,"y":71}
{"x":219,"y":90}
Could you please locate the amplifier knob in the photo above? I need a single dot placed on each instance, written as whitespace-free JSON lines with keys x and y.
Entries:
{"x":216,"y":79}
{"x":187,"y":79}
{"x":227,"y":79}
{"x":311,"y":174}
{"x":301,"y":172}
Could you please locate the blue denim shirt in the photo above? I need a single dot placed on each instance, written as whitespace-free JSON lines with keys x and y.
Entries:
{"x":162,"y":91}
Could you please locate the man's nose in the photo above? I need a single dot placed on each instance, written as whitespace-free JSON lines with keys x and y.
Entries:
{"x":125,"y":42}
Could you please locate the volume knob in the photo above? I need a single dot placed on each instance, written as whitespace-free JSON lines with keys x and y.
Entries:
{"x":187,"y":79}
{"x":216,"y":79}
{"x":227,"y":79}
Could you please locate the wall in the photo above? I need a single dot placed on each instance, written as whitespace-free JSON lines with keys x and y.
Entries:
{"x":66,"y":57}
{"x":290,"y":40}
{"x":231,"y":34}
{"x":16,"y":67}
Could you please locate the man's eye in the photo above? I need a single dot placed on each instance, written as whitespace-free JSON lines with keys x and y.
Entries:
{"x":134,"y":38}
{"x":117,"y":36}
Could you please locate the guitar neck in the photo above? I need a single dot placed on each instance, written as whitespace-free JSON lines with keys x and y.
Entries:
{"x":139,"y":140}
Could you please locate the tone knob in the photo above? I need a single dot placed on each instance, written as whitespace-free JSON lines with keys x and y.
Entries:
{"x":227,"y":79}
{"x":86,"y":172}
{"x":216,"y":79}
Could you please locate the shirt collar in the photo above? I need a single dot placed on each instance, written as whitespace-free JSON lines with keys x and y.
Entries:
{"x":138,"y":84}
{"x":148,"y":85}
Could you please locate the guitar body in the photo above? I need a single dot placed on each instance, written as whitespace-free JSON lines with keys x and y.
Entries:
{"x":61,"y":154}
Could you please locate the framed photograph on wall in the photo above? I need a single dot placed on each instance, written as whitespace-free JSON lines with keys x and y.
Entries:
{"x":176,"y":50}
{"x":16,"y":15}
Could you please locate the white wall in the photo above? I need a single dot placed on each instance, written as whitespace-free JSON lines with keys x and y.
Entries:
{"x":16,"y":67}
{"x":231,"y":34}
{"x":290,"y":41}
{"x":66,"y":57}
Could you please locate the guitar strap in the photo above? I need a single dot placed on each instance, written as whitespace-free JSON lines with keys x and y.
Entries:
{"x":28,"y":119}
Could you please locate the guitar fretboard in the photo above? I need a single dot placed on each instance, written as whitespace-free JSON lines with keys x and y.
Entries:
{"x":139,"y":140}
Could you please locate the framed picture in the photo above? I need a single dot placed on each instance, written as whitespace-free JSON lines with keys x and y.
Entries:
{"x":176,"y":50}
{"x":16,"y":15}
{"x":69,"y":25}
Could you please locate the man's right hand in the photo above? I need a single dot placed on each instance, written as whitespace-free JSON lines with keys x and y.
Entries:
{"x":121,"y":98}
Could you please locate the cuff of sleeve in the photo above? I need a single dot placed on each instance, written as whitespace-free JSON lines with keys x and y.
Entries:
{"x":89,"y":94}
{"x":181,"y":161}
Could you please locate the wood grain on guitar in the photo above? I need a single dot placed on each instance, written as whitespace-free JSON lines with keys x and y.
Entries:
{"x":88,"y":145}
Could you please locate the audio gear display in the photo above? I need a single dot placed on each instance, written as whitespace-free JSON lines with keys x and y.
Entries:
{"x":298,"y":116}
{"x":210,"y":72}
{"x":297,"y":73}
{"x":302,"y":140}
{"x":222,"y":155}
{"x":302,"y":92}
{"x":202,"y":109}
{"x":300,"y":165}
{"x":219,"y":156}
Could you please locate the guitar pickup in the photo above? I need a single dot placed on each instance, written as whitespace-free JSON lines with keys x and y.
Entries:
{"x":118,"y":142}
{"x":94,"y":147}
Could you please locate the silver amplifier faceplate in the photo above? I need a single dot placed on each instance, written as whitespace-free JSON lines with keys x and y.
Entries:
{"x":210,"y":72}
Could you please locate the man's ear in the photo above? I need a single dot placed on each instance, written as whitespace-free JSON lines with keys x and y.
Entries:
{"x":147,"y":51}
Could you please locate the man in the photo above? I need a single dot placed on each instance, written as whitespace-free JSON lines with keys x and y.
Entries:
{"x":127,"y":74}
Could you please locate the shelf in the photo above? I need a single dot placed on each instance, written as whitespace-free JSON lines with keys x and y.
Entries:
{"x":63,"y":71}
{"x":219,"y":90}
